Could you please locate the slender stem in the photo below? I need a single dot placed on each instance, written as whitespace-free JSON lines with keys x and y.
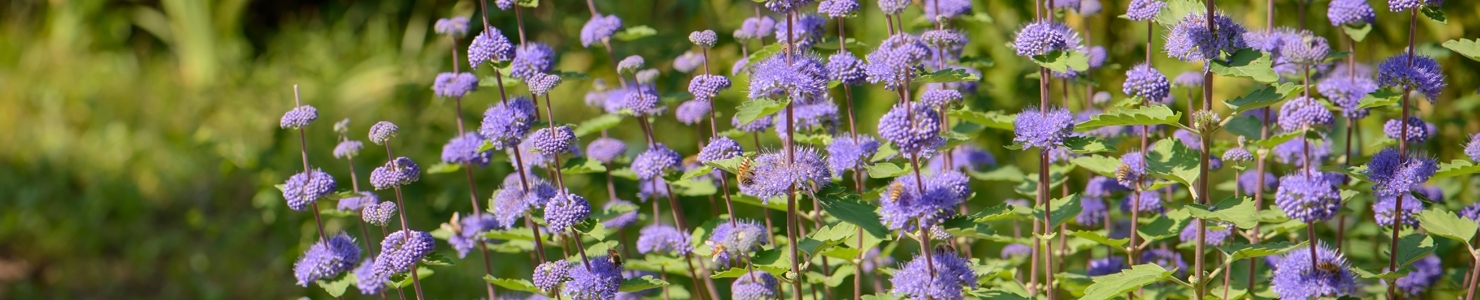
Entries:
{"x":1403,"y":154}
{"x":1470,"y":284}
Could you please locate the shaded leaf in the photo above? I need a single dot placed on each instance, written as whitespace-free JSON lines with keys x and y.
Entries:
{"x":597,"y":124}
{"x":646,"y":282}
{"x":1087,"y":145}
{"x":1064,"y":209}
{"x":1173,"y":160}
{"x":1247,"y":63}
{"x":1380,"y":99}
{"x":581,"y":165}
{"x":1101,"y":239}
{"x":440,"y":168}
{"x":1264,"y":97}
{"x":947,"y":75}
{"x":1357,"y":33}
{"x":1241,"y":251}
{"x":990,"y":119}
{"x":1115,"y":285}
{"x":1061,"y":61}
{"x":1448,"y":225}
{"x":1458,"y":167}
{"x":758,"y":108}
{"x":1236,"y":210}
{"x":635,"y":32}
{"x":887,"y":170}
{"x":1467,"y":47}
{"x":1149,"y":115}
{"x":337,"y":287}
{"x":1104,"y":166}
{"x":515,"y":284}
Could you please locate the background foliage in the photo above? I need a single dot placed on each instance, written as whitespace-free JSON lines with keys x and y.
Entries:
{"x":139,"y":149}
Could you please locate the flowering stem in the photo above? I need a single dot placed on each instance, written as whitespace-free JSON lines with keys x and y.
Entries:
{"x":1470,"y":285}
{"x":405,"y":229}
{"x":1403,"y":155}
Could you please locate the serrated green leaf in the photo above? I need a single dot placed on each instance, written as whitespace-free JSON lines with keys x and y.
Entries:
{"x":1099,"y":164}
{"x":515,"y":284}
{"x":1236,"y":210}
{"x":731,"y":165}
{"x":1162,"y":227}
{"x":528,"y":3}
{"x":827,"y":237}
{"x":1458,"y":167}
{"x":1434,"y":14}
{"x":337,"y":287}
{"x":1101,"y":239}
{"x":635,"y":32}
{"x":1467,"y":47}
{"x":1175,"y":10}
{"x":1061,"y":61}
{"x":1380,"y":99}
{"x":1448,"y":225}
{"x":849,"y":208}
{"x":696,"y":172}
{"x":1247,"y":63}
{"x":758,"y":108}
{"x":1413,"y":247}
{"x":404,"y":279}
{"x":440,"y":168}
{"x":887,"y":170}
{"x":336,"y":213}
{"x":1171,"y":159}
{"x":730,"y":273}
{"x":1087,"y":145}
{"x":1149,"y":115}
{"x":1116,"y":285}
{"x":990,"y":119}
{"x":947,"y":75}
{"x":1007,"y":173}
{"x":1264,"y":97}
{"x":1064,"y":209}
{"x":581,"y":165}
{"x":1277,"y":140}
{"x":646,"y":282}
{"x":1357,"y":33}
{"x":437,"y":259}
{"x":886,"y":151}
{"x":1240,"y":251}
{"x":596,"y":124}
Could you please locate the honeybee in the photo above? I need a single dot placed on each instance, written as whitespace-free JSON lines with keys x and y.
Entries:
{"x":945,"y":248}
{"x":614,"y":257}
{"x":1122,"y":172}
{"x":1327,"y":266}
{"x":896,"y":190}
{"x":454,"y":225}
{"x":715,"y":251}
{"x":742,"y":172}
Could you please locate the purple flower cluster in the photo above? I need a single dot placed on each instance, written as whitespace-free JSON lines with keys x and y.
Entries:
{"x":326,"y":259}
{"x":801,"y":77}
{"x":1426,"y":272}
{"x":1394,"y":173}
{"x":896,"y":59}
{"x":756,"y":285}
{"x":401,"y":250}
{"x":951,"y":274}
{"x":1212,"y":236}
{"x":964,"y":157}
{"x":469,"y":231}
{"x":1350,"y":13}
{"x":755,"y":28}
{"x":1043,"y":129}
{"x":379,"y":214}
{"x":657,"y":160}
{"x":1347,"y":92}
{"x":937,"y":9}
{"x":1417,"y":129}
{"x":566,"y":210}
{"x":549,"y":275}
{"x":599,"y":281}
{"x":1297,"y":276}
{"x":489,"y":47}
{"x":1142,"y":10}
{"x":348,"y":148}
{"x":397,"y":172}
{"x":706,"y":87}
{"x":1192,"y":41}
{"x":1308,"y":197}
{"x":454,"y":85}
{"x":1105,"y":266}
{"x":1043,"y":37}
{"x":599,"y":28}
{"x":737,"y":239}
{"x":505,"y":124}
{"x":850,"y":151}
{"x":464,"y":150}
{"x":305,"y":188}
{"x":1421,"y":73}
{"x":659,"y":238}
{"x":382,"y":132}
{"x":912,"y":128}
{"x":1146,"y":82}
{"x":299,"y":117}
{"x":909,"y":204}
{"x":530,"y":59}
{"x":1303,"y":112}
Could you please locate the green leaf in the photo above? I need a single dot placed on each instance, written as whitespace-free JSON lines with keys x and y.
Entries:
{"x":1467,"y":47}
{"x":1277,"y":140}
{"x":1007,"y":173}
{"x":1413,"y":247}
{"x":1264,"y":97}
{"x":646,"y":282}
{"x":1446,"y":224}
{"x":1434,"y":14}
{"x":1162,"y":227}
{"x":730,"y":273}
{"x":581,"y":165}
{"x":437,"y":259}
{"x":758,"y":108}
{"x":886,"y":151}
{"x":1172,"y":160}
{"x":528,"y":3}
{"x":1064,"y":209}
{"x":597,"y":124}
{"x":1247,"y":63}
{"x":636,"y":32}
{"x":696,"y":172}
{"x":1096,"y":237}
{"x":404,"y":279}
{"x":887,"y":170}
{"x":947,"y":75}
{"x":827,"y":237}
{"x":1458,"y":167}
{"x":1060,"y":61}
{"x":592,"y":228}
{"x":1380,"y":99}
{"x":1104,"y":166}
{"x":990,"y":119}
{"x":762,"y":54}
{"x":731,"y":165}
{"x":849,"y":208}
{"x":998,"y":295}
{"x":1357,"y":33}
{"x":1087,"y":145}
{"x":1239,"y":211}
{"x":1175,"y":10}
{"x":1149,"y":115}
{"x":516,"y":284}
{"x":337,"y":287}
{"x":1116,"y":285}
{"x":440,"y":168}
{"x":1241,"y":251}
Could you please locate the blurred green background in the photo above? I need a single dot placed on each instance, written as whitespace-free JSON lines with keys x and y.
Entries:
{"x":139,"y":149}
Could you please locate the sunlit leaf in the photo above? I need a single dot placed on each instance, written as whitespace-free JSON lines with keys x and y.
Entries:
{"x":1116,"y":285}
{"x":1149,"y":115}
{"x":1247,"y":63}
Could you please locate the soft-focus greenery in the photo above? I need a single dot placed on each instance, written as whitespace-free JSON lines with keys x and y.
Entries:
{"x":139,"y":147}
